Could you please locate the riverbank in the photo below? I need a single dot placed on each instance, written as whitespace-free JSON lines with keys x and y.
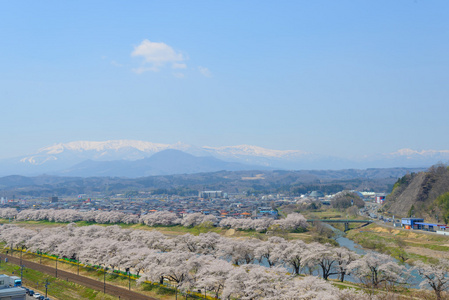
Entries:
{"x":405,"y":245}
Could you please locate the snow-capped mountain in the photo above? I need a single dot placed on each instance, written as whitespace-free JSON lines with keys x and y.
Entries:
{"x":248,"y":150}
{"x":59,"y":158}
{"x":413,"y":154}
{"x":75,"y":152}
{"x":102,"y":151}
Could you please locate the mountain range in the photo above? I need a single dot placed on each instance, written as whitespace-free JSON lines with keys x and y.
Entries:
{"x":131,"y":158}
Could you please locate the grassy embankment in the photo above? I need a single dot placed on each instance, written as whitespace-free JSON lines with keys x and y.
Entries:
{"x":57,"y":288}
{"x":405,"y":245}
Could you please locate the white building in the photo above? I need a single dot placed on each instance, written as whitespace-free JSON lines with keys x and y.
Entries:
{"x":10,"y":292}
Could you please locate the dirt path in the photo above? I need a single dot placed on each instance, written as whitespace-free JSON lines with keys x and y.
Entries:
{"x":87,"y":282}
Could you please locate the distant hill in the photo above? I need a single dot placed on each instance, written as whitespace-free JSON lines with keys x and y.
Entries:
{"x":246,"y":181}
{"x":165,"y":162}
{"x":420,"y":194}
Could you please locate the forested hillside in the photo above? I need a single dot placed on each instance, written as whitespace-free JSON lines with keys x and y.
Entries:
{"x":423,"y":194}
{"x":286,"y":182}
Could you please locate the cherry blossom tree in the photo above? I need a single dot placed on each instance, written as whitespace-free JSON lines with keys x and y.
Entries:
{"x":6,"y":213}
{"x":164,"y":218}
{"x":308,"y":288}
{"x":265,"y":250}
{"x":174,"y":266}
{"x":213,"y":275}
{"x":323,"y":256}
{"x":436,"y":276}
{"x":255,"y":282}
{"x":293,"y":221}
{"x":239,"y":252}
{"x":344,"y":257}
{"x":208,"y":243}
{"x":376,"y":268}
{"x":205,"y":261}
{"x":292,"y":254}
{"x":195,"y":219}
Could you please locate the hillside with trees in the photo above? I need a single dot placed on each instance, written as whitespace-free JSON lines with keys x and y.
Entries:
{"x":253,"y":182}
{"x":423,"y":194}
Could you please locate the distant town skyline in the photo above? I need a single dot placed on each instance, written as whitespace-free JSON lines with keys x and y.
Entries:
{"x":338,"y":78}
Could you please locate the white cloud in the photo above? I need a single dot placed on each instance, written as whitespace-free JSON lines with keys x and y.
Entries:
{"x":116,"y":64}
{"x":141,"y":70}
{"x":178,"y":75}
{"x":205,"y":71}
{"x":157,"y":55}
{"x":179,"y":66}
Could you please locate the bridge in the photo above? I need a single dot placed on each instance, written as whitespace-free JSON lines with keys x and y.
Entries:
{"x":346,"y":222}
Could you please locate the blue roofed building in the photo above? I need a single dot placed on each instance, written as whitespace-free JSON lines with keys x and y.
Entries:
{"x":410,"y":223}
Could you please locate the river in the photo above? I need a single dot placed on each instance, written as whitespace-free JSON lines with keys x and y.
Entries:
{"x":345,"y":242}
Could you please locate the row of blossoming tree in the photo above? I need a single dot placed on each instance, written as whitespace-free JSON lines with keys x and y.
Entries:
{"x":225,"y":267}
{"x":160,"y":218}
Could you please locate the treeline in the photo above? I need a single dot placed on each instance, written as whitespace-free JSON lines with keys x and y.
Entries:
{"x":293,"y":222}
{"x":287,"y":182}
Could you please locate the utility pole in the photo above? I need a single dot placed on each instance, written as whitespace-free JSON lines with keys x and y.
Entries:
{"x":104,"y":280}
{"x":129,"y":278}
{"x":46,"y":287}
{"x":21,"y":274}
{"x":56,"y":267}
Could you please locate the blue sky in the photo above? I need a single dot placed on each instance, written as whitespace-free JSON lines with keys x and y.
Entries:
{"x":344,"y":78}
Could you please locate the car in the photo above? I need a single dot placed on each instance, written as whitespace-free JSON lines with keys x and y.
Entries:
{"x":36,"y":295}
{"x":41,"y":297}
{"x":31,"y":293}
{"x":27,"y":290}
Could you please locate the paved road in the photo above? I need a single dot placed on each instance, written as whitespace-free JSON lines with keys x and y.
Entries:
{"x":85,"y":281}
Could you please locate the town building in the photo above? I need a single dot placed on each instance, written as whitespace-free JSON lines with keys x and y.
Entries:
{"x":210,"y":194}
{"x":10,"y":288}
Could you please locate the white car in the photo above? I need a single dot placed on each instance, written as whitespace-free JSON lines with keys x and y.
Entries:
{"x":36,"y":295}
